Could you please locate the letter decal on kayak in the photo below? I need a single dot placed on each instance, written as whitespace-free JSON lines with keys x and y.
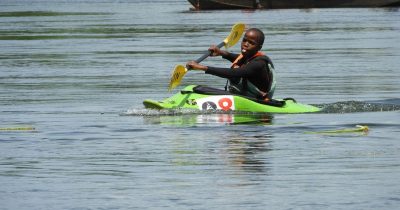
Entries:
{"x":208,"y":105}
{"x":222,"y":102}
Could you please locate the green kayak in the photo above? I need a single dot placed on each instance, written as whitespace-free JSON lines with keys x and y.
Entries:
{"x":206,"y":98}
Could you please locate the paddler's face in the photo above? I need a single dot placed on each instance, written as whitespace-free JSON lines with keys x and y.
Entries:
{"x":250,"y":45}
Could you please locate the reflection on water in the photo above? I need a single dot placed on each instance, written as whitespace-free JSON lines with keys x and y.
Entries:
{"x":207,"y":119}
{"x":249,"y":152}
{"x":239,"y":152}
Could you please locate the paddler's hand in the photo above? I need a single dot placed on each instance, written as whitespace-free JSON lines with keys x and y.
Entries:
{"x":192,"y":65}
{"x":215,"y":51}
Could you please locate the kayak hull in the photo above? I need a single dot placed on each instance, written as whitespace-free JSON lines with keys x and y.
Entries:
{"x":187,"y":98}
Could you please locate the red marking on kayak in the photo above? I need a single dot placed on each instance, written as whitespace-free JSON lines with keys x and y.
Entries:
{"x":225,"y":103}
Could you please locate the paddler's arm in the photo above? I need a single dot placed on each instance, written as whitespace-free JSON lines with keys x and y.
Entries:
{"x":249,"y":70}
{"x":229,"y":73}
{"x":225,"y":54}
{"x":192,"y":65}
{"x":215,"y":51}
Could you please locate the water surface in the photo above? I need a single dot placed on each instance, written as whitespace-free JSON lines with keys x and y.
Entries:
{"x":78,"y":71}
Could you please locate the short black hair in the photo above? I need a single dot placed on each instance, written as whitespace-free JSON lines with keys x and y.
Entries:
{"x":260,"y":34}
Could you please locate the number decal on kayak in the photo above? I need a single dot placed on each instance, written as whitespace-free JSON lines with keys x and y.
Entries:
{"x":223,"y":102}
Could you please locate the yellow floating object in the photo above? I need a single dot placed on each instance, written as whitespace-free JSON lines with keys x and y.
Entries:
{"x":18,"y":129}
{"x":358,"y":128}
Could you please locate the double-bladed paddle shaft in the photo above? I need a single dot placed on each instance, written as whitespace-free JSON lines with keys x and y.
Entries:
{"x":208,"y":53}
{"x":232,"y":39}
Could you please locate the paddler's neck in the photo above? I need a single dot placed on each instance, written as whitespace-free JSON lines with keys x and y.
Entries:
{"x":252,"y":55}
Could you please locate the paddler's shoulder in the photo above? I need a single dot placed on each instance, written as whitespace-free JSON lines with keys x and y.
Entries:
{"x":264,"y":58}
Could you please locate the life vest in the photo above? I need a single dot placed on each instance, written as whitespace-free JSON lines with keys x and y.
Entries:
{"x":243,"y":86}
{"x":235,"y":63}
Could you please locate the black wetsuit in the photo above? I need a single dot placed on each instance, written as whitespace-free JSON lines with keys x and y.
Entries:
{"x":256,"y":70}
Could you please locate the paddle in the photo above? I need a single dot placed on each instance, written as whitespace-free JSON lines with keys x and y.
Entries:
{"x":229,"y":41}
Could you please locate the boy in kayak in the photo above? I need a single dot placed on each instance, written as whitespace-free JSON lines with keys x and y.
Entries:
{"x":251,"y":73}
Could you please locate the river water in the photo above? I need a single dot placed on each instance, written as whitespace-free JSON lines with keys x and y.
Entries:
{"x":74,"y":133}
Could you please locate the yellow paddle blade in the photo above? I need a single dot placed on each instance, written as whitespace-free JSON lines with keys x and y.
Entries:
{"x":234,"y":36}
{"x":177,"y":76}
